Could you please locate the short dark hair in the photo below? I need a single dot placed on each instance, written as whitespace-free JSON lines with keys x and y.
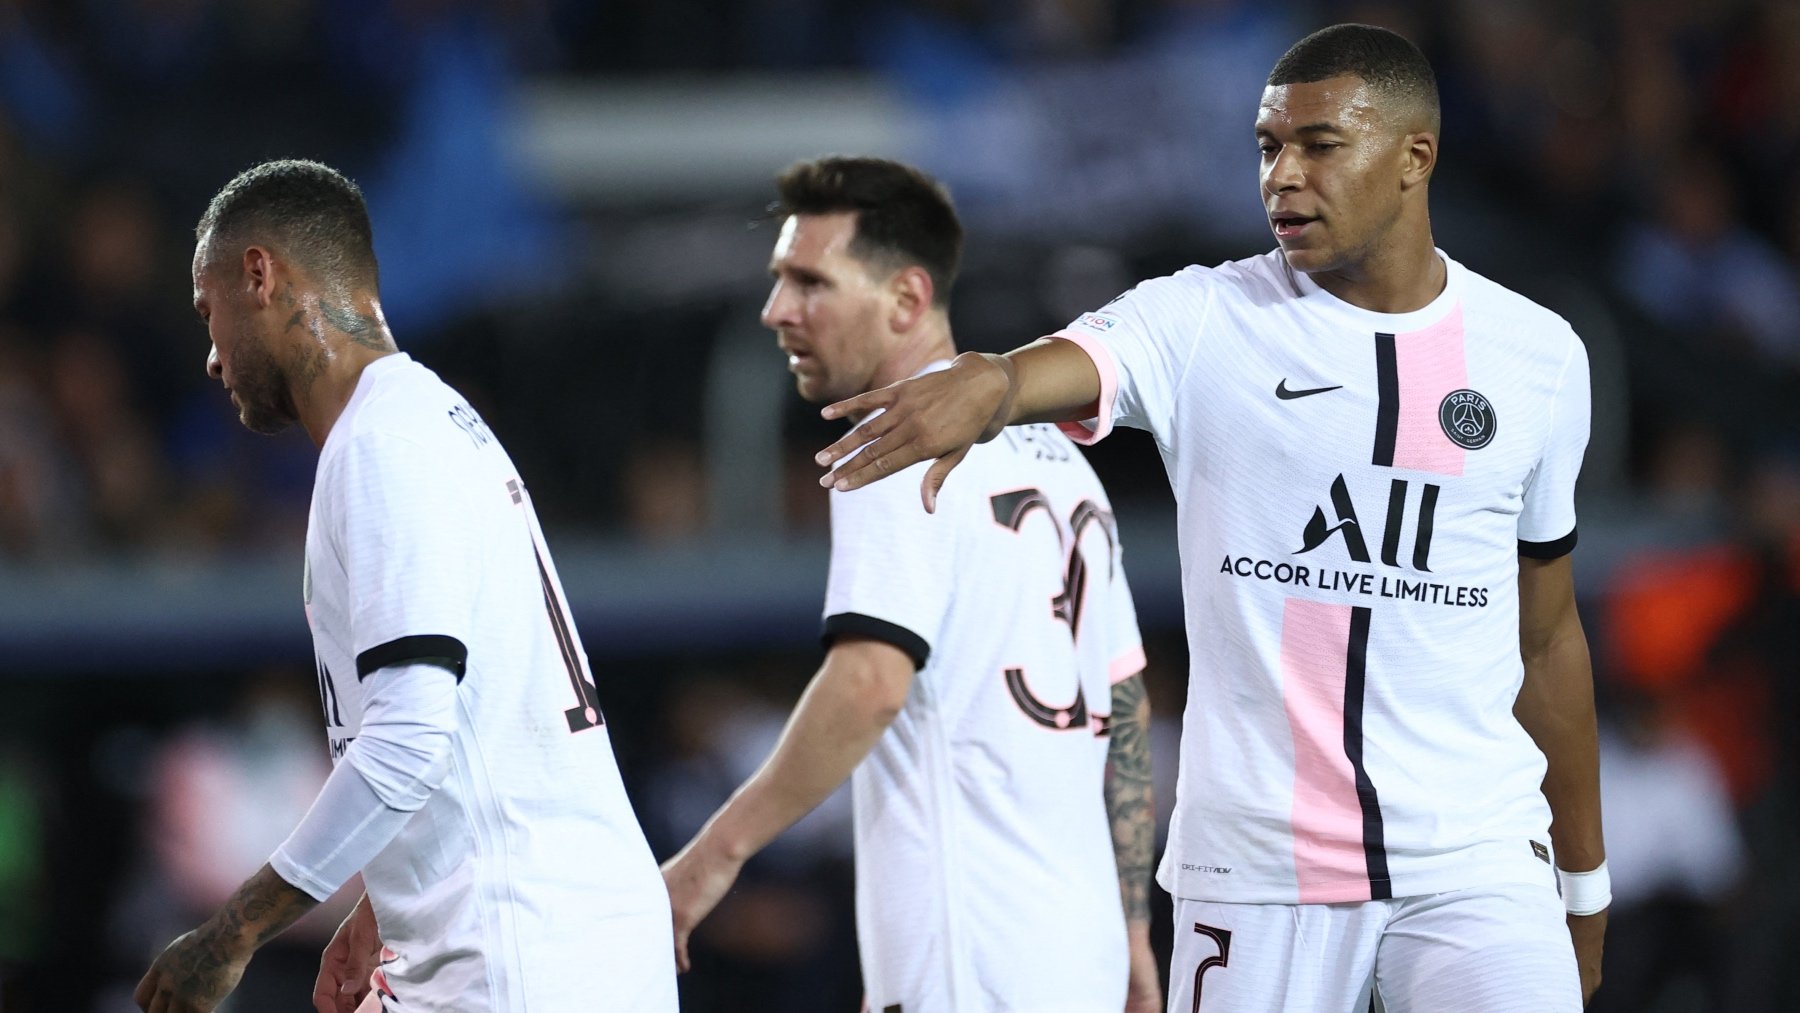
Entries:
{"x":903,"y":217}
{"x":1386,"y":60}
{"x":312,"y":212}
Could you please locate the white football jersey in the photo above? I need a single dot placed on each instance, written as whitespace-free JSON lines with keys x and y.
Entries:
{"x":524,"y":883}
{"x":1354,"y":490}
{"x":985,"y":877}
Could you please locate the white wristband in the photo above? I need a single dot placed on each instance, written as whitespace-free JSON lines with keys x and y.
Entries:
{"x":1585,"y":893}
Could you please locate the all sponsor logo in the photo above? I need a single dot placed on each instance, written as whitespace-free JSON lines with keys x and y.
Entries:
{"x":1388,"y":539}
{"x":1099,"y":322}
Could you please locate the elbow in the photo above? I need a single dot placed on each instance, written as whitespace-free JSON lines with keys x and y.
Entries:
{"x":887,"y":698}
{"x":867,"y":681}
{"x":883,"y":689}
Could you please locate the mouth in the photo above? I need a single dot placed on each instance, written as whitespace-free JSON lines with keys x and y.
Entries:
{"x":796,"y":360}
{"x":1290,"y":226}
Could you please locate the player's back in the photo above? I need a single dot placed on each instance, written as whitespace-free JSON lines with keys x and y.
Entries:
{"x":986,"y":877}
{"x":524,"y":883}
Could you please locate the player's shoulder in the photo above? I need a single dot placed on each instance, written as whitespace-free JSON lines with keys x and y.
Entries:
{"x":403,"y":412}
{"x":1493,"y":304}
{"x":1262,"y":279}
{"x":1033,"y":456}
{"x":1027,"y":456}
{"x":1257,"y":278}
{"x":409,"y":403}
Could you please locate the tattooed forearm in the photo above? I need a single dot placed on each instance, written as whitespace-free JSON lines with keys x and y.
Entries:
{"x":199,"y":969}
{"x":362,"y":328}
{"x":1129,"y":807}
{"x":264,"y":906}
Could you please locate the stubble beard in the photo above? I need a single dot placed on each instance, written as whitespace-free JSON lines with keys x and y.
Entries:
{"x":265,"y":400}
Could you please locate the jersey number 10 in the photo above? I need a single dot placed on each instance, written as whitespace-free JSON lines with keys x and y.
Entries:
{"x":586,"y":712}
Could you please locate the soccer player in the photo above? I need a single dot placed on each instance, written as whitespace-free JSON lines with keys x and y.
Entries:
{"x":982,"y":681}
{"x":1389,"y":735}
{"x":474,"y":784}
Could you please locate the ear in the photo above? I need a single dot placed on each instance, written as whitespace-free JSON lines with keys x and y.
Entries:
{"x":1418,"y":157}
{"x":911,"y":291}
{"x":259,"y":275}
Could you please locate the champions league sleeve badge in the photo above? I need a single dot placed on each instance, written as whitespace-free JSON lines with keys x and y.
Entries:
{"x":1467,"y":418}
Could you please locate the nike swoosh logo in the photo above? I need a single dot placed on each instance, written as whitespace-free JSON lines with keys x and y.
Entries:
{"x":1282,"y":392}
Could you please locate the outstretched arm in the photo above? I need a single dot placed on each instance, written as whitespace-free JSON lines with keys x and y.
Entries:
{"x":1556,"y":706}
{"x":1131,"y":811}
{"x":854,"y":697}
{"x":941,"y":415}
{"x":200,"y":969}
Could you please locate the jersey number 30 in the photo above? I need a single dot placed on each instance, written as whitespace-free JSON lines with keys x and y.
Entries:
{"x":1010,"y":510}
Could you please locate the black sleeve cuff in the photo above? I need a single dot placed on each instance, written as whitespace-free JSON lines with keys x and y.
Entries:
{"x":1549,"y":550}
{"x":429,"y":649}
{"x":857,"y":624}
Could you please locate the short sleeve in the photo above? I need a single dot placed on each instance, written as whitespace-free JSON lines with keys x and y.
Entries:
{"x":892,"y":566}
{"x":411,"y":554}
{"x":1141,"y":343}
{"x":1547,"y":522}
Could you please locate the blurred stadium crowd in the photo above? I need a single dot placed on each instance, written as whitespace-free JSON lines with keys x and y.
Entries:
{"x":1634,"y":164}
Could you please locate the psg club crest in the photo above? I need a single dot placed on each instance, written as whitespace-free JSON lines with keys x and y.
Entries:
{"x":1467,"y":418}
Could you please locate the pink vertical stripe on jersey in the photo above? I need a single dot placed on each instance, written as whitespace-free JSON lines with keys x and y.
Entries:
{"x":1329,"y":862}
{"x":1431,"y":363}
{"x":1109,"y":389}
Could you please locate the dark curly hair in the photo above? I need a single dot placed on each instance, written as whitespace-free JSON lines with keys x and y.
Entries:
{"x":310,"y":211}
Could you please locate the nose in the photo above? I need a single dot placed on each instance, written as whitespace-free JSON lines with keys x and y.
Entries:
{"x":1283,"y":174}
{"x":213,"y":369}
{"x":779,"y":310}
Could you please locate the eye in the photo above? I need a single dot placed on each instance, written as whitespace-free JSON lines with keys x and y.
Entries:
{"x":1266,"y":148}
{"x":1323,"y":146}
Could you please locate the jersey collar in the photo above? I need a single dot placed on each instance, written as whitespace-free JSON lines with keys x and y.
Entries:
{"x":1387,"y":323}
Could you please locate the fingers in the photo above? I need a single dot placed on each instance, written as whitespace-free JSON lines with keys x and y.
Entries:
{"x":860,"y":404}
{"x":877,"y":461}
{"x":681,"y":953}
{"x":325,"y":993}
{"x":146,"y":990}
{"x":852,"y":441}
{"x":333,"y":968}
{"x":935,"y":475}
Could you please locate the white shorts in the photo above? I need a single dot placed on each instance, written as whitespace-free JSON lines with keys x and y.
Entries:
{"x":1492,"y":950}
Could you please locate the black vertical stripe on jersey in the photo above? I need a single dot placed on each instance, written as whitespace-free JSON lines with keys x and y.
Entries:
{"x":1355,"y":667}
{"x":1387,"y":410}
